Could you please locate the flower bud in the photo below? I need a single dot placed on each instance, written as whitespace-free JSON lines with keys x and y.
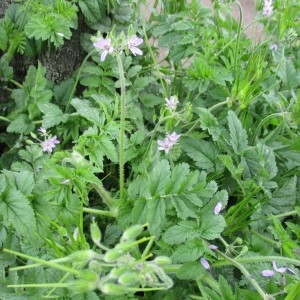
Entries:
{"x":112,"y":255}
{"x":116,"y":272}
{"x":95,"y":232}
{"x":131,"y":233}
{"x":82,"y":286}
{"x":89,"y":275}
{"x":162,"y":260}
{"x":83,"y":255}
{"x":128,"y":278}
{"x":95,"y":266}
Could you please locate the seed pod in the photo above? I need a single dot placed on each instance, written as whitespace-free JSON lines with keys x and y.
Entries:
{"x":82,"y":286}
{"x":116,"y":272}
{"x":95,"y":266}
{"x":112,"y":255}
{"x":131,"y":233}
{"x":113,"y":289}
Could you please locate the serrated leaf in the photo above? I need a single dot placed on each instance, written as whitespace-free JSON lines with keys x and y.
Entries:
{"x":202,"y":152}
{"x":238,"y":135}
{"x":156,"y":215}
{"x":133,"y":71}
{"x":3,"y":34}
{"x":159,"y":178}
{"x":182,"y":209}
{"x":212,"y":226}
{"x":225,"y":289}
{"x":24,"y":182}
{"x":184,"y":231}
{"x":209,"y":122}
{"x":139,"y":211}
{"x":179,"y":174}
{"x":92,"y":9}
{"x":141,"y":82}
{"x":2,"y":183}
{"x":190,"y":271}
{"x":62,"y":92}
{"x":288,"y":74}
{"x":17,"y":211}
{"x":190,"y":251}
{"x":53,"y":115}
{"x":20,"y":125}
{"x":86,"y":110}
{"x":108,"y":148}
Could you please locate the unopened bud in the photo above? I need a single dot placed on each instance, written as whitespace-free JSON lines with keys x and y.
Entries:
{"x":83,"y":255}
{"x":162,"y":260}
{"x":95,"y":232}
{"x":128,"y":278}
{"x":131,"y":233}
{"x":89,"y":275}
{"x":113,"y":289}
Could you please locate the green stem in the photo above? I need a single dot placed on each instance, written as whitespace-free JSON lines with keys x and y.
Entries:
{"x":246,"y":273}
{"x":4,"y":119}
{"x":99,"y":212}
{"x":104,"y":194}
{"x":238,"y":36}
{"x":44,"y":262}
{"x":122,"y":124}
{"x":40,"y":285}
{"x":267,"y":240}
{"x":77,"y":78}
{"x":287,"y":214}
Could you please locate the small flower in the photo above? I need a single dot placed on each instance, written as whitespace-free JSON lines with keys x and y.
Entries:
{"x":165,"y":145}
{"x":267,"y":273}
{"x":104,"y":45}
{"x":173,"y":137}
{"x":274,"y":47}
{"x":218,"y":208}
{"x":42,"y":130}
{"x":279,"y":270}
{"x":172,"y":102}
{"x":168,"y":142}
{"x":49,"y":144}
{"x":60,"y":34}
{"x":133,"y":43}
{"x":66,"y":181}
{"x":205,"y":263}
{"x":268,"y":8}
{"x":213,"y":247}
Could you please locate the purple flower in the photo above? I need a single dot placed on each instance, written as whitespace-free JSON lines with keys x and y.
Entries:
{"x":133,"y":42}
{"x":274,"y":47}
{"x":218,"y":208}
{"x":267,"y":273}
{"x":165,"y":145}
{"x":280,"y":270}
{"x":172,"y":102}
{"x":213,"y":247}
{"x":168,"y":142}
{"x":173,"y":137}
{"x":205,"y":263}
{"x":42,"y":130}
{"x":268,"y":8}
{"x":104,"y":45}
{"x":49,"y":144}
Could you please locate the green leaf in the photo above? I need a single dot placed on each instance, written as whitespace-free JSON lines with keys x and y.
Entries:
{"x":4,"y":37}
{"x":62,"y":92}
{"x":209,"y":122}
{"x":92,"y":9}
{"x":156,"y":215}
{"x":108,"y":148}
{"x":86,"y":110}
{"x":212,"y":226}
{"x":225,"y":288}
{"x":288,"y":74}
{"x":179,"y":174}
{"x":24,"y":182}
{"x":202,"y":152}
{"x":238,"y":135}
{"x":184,"y":231}
{"x":21,"y":125}
{"x":159,"y":178}
{"x":190,"y":251}
{"x":2,"y":183}
{"x":52,"y":115}
{"x":182,"y":209}
{"x":190,"y":271}
{"x":141,"y":82}
{"x":17,"y":211}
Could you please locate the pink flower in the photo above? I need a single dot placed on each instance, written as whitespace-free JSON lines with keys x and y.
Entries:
{"x":104,"y":45}
{"x":205,"y":263}
{"x":218,"y":208}
{"x":165,"y":145}
{"x":274,"y":47}
{"x":49,"y":144}
{"x":42,"y":130}
{"x":168,"y":142}
{"x":213,"y":247}
{"x":268,"y":8}
{"x":172,"y":102}
{"x":133,"y":43}
{"x":267,"y":273}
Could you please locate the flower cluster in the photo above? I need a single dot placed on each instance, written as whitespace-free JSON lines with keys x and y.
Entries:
{"x":104,"y":46}
{"x":268,"y":8}
{"x":168,"y":142}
